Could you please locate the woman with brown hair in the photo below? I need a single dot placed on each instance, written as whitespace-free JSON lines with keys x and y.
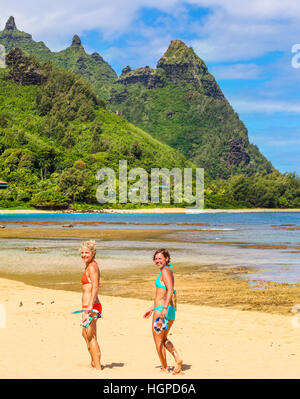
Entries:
{"x":164,"y":310}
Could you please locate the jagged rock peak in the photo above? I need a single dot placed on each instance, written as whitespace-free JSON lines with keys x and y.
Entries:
{"x":181,"y":63}
{"x":178,"y":44}
{"x":76,"y":41}
{"x":126,"y":70}
{"x":177,"y":52}
{"x":10,"y":24}
{"x":146,"y":76}
{"x":97,"y":57}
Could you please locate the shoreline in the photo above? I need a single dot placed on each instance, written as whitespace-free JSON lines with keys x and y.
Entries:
{"x":231,"y":287}
{"x":148,"y":210}
{"x":219,"y":335}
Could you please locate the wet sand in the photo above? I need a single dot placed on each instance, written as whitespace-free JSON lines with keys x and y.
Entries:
{"x":26,"y":232}
{"x":205,"y":285}
{"x":42,"y":339}
{"x":59,"y":267}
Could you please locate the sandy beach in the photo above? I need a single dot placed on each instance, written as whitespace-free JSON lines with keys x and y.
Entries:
{"x":42,"y":339}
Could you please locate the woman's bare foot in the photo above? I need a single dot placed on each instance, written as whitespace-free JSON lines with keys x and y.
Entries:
{"x":98,"y":367}
{"x":165,"y":371}
{"x":177,"y":368}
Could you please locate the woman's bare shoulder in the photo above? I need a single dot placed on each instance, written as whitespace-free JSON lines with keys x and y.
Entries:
{"x":93,"y":266}
{"x":167,"y":273}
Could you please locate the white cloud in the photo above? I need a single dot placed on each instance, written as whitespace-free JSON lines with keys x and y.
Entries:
{"x":237,"y":71}
{"x":235,"y":31}
{"x":231,"y":32}
{"x":264,"y":106}
{"x":272,"y":137}
{"x":135,"y":56}
{"x":225,"y":37}
{"x":109,"y":16}
{"x":285,"y":142}
{"x":258,"y":9}
{"x":56,"y":19}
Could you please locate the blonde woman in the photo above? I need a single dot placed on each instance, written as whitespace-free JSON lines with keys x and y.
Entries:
{"x":164,"y":308}
{"x":90,"y":301}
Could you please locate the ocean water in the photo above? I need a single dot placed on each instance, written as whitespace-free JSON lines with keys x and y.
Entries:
{"x":269,"y":242}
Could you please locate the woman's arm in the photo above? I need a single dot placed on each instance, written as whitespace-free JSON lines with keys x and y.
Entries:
{"x":94,"y":277}
{"x":149,"y":312}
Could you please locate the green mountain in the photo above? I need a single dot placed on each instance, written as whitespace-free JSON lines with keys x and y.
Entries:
{"x":55,"y":134}
{"x":178,"y":103}
{"x":91,"y":67}
{"x":181,"y":104}
{"x":11,"y":37}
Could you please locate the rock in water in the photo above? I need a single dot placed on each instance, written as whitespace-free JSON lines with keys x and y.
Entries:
{"x":33,"y":249}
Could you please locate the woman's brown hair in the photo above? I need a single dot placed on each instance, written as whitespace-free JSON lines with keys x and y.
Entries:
{"x":163,"y":251}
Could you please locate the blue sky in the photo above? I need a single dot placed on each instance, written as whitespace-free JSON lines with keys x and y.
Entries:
{"x":247,"y":48}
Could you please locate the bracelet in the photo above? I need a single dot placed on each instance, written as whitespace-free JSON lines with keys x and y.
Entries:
{"x":165,"y":307}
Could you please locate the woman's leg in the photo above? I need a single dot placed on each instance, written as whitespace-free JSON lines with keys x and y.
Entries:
{"x":86,"y":339}
{"x":93,"y":346}
{"x":159,"y":343}
{"x":171,"y":348}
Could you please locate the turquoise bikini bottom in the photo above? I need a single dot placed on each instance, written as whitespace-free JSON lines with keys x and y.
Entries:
{"x":170,"y":312}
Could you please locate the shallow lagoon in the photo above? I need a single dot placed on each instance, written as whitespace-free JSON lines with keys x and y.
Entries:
{"x":267,"y":242}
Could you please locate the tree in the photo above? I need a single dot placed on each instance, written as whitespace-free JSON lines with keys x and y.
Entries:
{"x":74,"y":183}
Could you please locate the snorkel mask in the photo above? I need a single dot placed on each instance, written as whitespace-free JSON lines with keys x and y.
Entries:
{"x":160,"y":324}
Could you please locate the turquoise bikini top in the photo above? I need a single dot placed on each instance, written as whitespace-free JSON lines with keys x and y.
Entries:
{"x":158,"y":284}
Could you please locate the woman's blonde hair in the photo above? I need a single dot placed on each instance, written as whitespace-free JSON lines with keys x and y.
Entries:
{"x":91,"y":245}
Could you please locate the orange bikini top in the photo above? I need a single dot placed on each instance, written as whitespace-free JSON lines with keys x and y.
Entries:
{"x":84,"y":278}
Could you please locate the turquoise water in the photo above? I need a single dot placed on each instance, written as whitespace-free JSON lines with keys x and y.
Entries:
{"x":269,"y":242}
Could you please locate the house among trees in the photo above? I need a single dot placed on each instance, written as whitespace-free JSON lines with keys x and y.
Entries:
{"x":3,"y":184}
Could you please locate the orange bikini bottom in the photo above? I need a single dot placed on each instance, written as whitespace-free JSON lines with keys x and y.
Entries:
{"x":96,"y":306}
